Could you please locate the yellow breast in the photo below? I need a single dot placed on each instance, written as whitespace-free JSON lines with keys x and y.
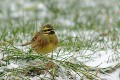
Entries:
{"x":46,"y":49}
{"x":45,"y":44}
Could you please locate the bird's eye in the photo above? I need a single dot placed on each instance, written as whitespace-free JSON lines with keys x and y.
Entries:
{"x":52,"y":32}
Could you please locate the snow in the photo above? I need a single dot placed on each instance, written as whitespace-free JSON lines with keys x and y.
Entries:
{"x":101,"y":59}
{"x":112,"y":76}
{"x":1,"y":55}
{"x":12,"y":65}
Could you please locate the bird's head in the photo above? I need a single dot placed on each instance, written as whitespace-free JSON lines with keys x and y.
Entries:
{"x":47,"y":29}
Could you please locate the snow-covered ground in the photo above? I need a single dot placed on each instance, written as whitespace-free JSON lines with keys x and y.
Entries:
{"x":101,"y":58}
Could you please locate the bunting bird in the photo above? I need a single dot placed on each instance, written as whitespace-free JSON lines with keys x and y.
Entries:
{"x":44,"y":41}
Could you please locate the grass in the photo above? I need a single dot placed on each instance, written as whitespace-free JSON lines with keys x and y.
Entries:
{"x":87,"y":27}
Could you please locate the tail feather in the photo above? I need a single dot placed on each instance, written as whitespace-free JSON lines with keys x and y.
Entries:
{"x":25,"y":44}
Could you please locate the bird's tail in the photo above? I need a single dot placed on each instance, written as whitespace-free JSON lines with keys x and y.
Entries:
{"x":25,"y":44}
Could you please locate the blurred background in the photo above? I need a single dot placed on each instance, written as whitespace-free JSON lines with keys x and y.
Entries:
{"x":29,"y":15}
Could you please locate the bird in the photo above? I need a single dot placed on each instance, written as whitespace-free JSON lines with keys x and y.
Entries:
{"x":45,"y":41}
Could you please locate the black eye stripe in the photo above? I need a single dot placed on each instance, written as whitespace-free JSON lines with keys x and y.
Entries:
{"x":49,"y":33}
{"x":48,"y":30}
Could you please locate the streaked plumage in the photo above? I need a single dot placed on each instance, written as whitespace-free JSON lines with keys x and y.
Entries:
{"x":44,"y":41}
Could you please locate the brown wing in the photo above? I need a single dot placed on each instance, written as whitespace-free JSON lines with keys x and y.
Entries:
{"x":33,"y":39}
{"x":39,"y":40}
